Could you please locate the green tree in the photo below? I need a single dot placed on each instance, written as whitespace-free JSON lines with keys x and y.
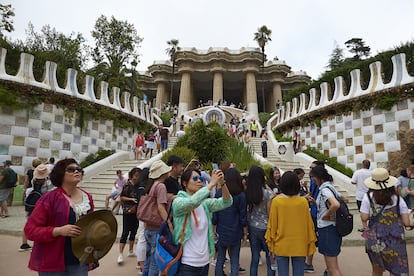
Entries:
{"x":357,"y":47}
{"x":117,"y":44}
{"x":6,"y":23}
{"x":68,"y":51}
{"x":262,"y":37}
{"x":337,"y":57}
{"x":171,"y":51}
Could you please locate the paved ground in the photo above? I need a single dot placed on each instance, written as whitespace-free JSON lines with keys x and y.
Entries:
{"x":353,"y":260}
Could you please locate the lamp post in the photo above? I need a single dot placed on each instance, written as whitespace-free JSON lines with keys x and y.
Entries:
{"x":262,"y":43}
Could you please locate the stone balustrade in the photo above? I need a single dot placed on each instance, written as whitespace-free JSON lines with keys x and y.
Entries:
{"x":121,"y":101}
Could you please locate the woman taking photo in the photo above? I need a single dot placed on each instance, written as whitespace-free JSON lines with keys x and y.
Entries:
{"x":384,"y":215}
{"x":129,"y":201}
{"x":193,"y":207}
{"x":329,"y":241}
{"x":231,"y":224}
{"x":51,"y":224}
{"x":258,"y":205}
{"x":290,"y":233}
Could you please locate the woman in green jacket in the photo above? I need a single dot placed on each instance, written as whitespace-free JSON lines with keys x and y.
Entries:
{"x":195,"y":205}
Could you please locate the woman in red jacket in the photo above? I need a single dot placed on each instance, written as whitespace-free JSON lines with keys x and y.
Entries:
{"x":52,"y":223}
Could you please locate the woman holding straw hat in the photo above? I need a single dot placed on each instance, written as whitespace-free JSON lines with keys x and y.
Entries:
{"x":384,"y":215}
{"x":52,"y":222}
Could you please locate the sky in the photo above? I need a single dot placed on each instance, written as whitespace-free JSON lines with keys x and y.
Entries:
{"x":304,"y":32}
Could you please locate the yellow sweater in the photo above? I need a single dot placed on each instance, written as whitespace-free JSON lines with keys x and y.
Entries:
{"x":290,"y":230}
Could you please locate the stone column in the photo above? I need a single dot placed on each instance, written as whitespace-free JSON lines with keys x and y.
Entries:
{"x":217,"y":87}
{"x":251,"y":94}
{"x":185,"y":92}
{"x":277,"y":95}
{"x":161,"y":95}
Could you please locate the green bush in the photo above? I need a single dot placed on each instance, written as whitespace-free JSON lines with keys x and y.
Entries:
{"x":330,"y":161}
{"x":95,"y":157}
{"x":183,"y":152}
{"x":280,"y":138}
{"x":264,"y":117}
{"x":241,"y":156}
{"x":210,"y":142}
{"x":165,"y":117}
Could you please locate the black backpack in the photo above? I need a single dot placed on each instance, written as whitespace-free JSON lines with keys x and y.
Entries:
{"x":343,"y":218}
{"x":11,"y":179}
{"x":31,"y":199}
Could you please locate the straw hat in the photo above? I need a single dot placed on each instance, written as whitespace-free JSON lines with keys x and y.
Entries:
{"x":98,"y":234}
{"x":41,"y":171}
{"x":380,"y":179}
{"x":158,"y":168}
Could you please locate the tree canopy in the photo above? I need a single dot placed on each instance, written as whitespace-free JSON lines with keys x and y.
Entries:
{"x":6,"y":23}
{"x":357,"y":47}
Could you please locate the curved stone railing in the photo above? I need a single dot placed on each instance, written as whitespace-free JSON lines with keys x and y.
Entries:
{"x":121,"y":101}
{"x":298,"y":108}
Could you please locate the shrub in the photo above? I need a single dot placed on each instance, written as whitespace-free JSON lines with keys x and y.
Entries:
{"x":95,"y":157}
{"x":183,"y":152}
{"x":210,"y":142}
{"x":264,"y":117}
{"x":330,"y":161}
{"x":280,"y":138}
{"x":241,"y":155}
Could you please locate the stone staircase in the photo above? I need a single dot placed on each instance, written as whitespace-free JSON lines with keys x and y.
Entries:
{"x":100,"y":185}
{"x":286,"y":165}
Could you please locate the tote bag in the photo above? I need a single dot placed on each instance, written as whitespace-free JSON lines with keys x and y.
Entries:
{"x":148,"y":208}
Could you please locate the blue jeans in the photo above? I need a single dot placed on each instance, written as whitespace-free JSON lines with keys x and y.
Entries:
{"x":150,"y":265}
{"x":298,"y":265}
{"x":164,"y":144}
{"x":258,"y":243}
{"x":188,"y":270}
{"x":234,"y":251}
{"x":70,"y":270}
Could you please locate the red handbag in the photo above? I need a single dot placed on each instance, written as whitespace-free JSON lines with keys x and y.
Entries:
{"x":148,"y":208}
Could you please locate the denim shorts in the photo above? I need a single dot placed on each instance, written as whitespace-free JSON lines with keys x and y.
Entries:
{"x":329,"y":241}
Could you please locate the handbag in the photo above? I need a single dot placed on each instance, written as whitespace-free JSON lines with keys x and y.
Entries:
{"x":130,"y":210}
{"x":148,"y":208}
{"x":167,"y":254}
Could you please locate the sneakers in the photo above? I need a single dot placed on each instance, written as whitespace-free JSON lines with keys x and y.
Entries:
{"x":241,"y":270}
{"x":120,"y":259}
{"x":131,"y":254}
{"x":25,"y":247}
{"x":309,"y":268}
{"x":260,"y":260}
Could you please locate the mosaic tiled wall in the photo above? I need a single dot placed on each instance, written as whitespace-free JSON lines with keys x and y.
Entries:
{"x":361,"y":135}
{"x":45,"y":131}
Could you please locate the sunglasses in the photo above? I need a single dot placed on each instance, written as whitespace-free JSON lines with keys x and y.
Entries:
{"x":74,"y":169}
{"x":197,"y":177}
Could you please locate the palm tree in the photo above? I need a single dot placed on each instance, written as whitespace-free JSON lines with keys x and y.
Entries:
{"x":171,"y":51}
{"x":262,"y":37}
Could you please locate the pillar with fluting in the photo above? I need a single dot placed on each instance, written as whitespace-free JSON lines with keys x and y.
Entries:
{"x":251,"y":94}
{"x":277,"y":95}
{"x":185,"y":92}
{"x":162,"y":96}
{"x":217,"y":87}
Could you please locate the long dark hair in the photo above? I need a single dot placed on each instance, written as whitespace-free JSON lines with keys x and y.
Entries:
{"x":143,"y":177}
{"x":271,"y":182}
{"x":233,"y":181}
{"x":255,"y":185}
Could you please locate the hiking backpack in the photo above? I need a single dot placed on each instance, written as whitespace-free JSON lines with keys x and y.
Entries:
{"x":31,"y":199}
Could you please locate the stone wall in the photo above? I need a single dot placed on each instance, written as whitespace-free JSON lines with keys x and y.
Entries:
{"x":45,"y":131}
{"x":383,"y":137}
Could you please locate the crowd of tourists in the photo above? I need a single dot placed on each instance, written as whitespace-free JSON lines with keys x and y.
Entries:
{"x":213,"y":214}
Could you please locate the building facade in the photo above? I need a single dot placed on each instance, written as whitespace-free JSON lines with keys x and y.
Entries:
{"x":220,"y":75}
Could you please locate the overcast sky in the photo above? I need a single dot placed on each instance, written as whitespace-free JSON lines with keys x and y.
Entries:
{"x":303,"y":31}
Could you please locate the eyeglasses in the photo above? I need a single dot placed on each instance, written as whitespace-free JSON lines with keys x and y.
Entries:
{"x":74,"y":169}
{"x":197,"y":177}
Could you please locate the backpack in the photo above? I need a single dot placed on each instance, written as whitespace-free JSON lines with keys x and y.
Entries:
{"x":11,"y":179}
{"x":343,"y":218}
{"x":31,"y":199}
